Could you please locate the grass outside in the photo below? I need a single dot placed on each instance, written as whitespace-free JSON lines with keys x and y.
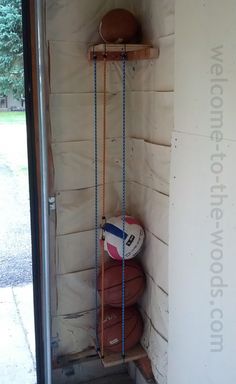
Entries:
{"x":13,"y":143}
{"x":12,"y":117}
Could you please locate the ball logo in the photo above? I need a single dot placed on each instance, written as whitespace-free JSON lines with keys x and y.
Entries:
{"x":130,"y":240}
{"x":109,"y":318}
{"x":117,"y":229}
{"x":114,"y":341}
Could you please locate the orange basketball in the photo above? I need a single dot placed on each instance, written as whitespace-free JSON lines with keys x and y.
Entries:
{"x":119,"y":26}
{"x":134,"y":283}
{"x":113,"y":328}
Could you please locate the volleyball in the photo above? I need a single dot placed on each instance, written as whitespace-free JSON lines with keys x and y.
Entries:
{"x":119,"y":26}
{"x":133,"y":235}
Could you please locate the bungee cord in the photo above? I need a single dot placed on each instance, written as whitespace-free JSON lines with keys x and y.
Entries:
{"x":123,"y":56}
{"x":100,"y":345}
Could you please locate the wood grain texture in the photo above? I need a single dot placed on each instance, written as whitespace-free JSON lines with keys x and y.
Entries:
{"x":112,"y":359}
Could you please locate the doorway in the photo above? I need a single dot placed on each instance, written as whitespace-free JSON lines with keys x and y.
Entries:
{"x":17,"y":347}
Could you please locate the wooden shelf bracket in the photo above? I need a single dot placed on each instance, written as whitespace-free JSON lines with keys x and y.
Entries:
{"x":113,"y":52}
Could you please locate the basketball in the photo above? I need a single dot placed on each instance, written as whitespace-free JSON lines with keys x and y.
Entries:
{"x":113,"y":328}
{"x":134,"y":237}
{"x":119,"y":26}
{"x":134,"y":283}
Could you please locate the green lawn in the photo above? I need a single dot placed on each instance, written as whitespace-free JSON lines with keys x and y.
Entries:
{"x":12,"y":117}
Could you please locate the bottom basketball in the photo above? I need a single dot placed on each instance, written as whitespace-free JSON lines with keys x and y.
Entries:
{"x":112,"y":328}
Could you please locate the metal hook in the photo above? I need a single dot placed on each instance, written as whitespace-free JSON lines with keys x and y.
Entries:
{"x":124,"y":52}
{"x":94,"y":54}
{"x":105,"y":51}
{"x":104,"y":220}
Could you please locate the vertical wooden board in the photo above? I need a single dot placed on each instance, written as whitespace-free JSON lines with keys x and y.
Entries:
{"x":202,"y":263}
{"x":154,"y":259}
{"x":72,"y":116}
{"x":158,"y":74}
{"x":152,"y":208}
{"x":152,"y":116}
{"x":155,"y":304}
{"x":205,"y":44}
{"x":73,"y":333}
{"x":74,"y":164}
{"x":71,"y":72}
{"x":75,"y":252}
{"x":76,"y":209}
{"x":150,"y":165}
{"x":75,"y":292}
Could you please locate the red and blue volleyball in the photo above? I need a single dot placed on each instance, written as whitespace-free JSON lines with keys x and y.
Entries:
{"x":133,"y":236}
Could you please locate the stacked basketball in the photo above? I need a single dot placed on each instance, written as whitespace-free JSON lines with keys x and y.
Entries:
{"x":115,"y":289}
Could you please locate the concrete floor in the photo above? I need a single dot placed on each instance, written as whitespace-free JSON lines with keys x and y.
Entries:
{"x":15,"y":238}
{"x":17,"y":361}
{"x":117,"y":379}
{"x":17,"y":356}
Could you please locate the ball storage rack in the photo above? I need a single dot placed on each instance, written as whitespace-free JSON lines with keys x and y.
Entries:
{"x":104,"y":53}
{"x":113,"y":52}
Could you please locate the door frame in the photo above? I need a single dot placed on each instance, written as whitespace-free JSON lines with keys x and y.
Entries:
{"x":38,"y":213}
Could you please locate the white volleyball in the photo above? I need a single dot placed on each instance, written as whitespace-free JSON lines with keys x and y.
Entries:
{"x":134,"y":237}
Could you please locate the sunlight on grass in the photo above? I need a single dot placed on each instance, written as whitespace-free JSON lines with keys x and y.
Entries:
{"x":13,"y":143}
{"x":12,"y":117}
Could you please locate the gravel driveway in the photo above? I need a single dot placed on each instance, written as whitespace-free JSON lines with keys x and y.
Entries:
{"x":15,"y":240}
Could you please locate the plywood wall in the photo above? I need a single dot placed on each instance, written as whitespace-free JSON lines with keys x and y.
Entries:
{"x":71,"y":26}
{"x":202,"y":318}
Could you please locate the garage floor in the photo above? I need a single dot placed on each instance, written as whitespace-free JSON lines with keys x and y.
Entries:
{"x":117,"y":379}
{"x":17,"y":356}
{"x":17,"y":362}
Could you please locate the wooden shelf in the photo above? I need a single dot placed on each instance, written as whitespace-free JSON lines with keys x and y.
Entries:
{"x":111,"y":359}
{"x":114,"y":52}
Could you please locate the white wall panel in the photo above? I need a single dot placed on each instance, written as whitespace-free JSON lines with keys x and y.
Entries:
{"x":72,"y":116}
{"x":154,"y":258}
{"x":155,"y":304}
{"x":75,"y":252}
{"x":205,"y":42}
{"x":157,"y":18}
{"x":74,"y":333}
{"x":158,"y":74}
{"x":149,"y":165}
{"x":202,"y":263}
{"x":75,"y":209}
{"x":74,"y":164}
{"x":149,"y":116}
{"x":152,"y":116}
{"x":75,"y":292}
{"x":152,"y":208}
{"x":204,"y":46}
{"x":80,"y":18}
{"x":71,"y":72}
{"x":146,"y":164}
{"x":157,"y":349}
